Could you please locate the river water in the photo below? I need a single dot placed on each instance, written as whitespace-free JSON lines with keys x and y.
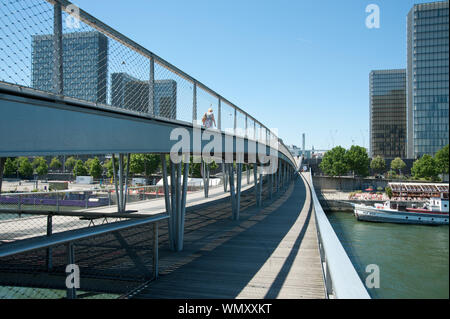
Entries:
{"x":412,"y":259}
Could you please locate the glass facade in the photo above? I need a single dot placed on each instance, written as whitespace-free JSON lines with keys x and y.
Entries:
{"x":427,"y":78}
{"x":85,"y":65}
{"x":133,"y":94}
{"x":388,"y":113}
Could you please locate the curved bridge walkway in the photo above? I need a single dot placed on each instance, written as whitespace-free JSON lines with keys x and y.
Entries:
{"x":271,"y":252}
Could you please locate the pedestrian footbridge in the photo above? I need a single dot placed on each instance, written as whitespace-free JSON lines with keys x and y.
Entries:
{"x":72,"y":85}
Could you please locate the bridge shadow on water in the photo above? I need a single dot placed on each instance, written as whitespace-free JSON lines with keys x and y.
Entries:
{"x":221,"y":256}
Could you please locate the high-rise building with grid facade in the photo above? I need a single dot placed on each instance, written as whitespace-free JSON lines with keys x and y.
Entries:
{"x":133,"y":94}
{"x":85,"y":65}
{"x":388,"y":113}
{"x":427,"y":78}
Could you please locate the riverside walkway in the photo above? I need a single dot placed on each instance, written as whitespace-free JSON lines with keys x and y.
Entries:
{"x":271,"y":252}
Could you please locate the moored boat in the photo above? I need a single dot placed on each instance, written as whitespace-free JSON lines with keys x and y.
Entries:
{"x":435,"y":212}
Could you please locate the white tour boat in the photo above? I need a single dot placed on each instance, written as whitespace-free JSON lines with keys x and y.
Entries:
{"x":435,"y":212}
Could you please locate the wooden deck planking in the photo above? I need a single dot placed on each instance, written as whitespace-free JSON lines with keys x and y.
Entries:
{"x":272,"y":252}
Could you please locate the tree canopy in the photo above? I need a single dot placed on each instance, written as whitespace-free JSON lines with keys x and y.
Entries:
{"x":145,"y":164}
{"x":25,"y":167}
{"x":425,"y":167}
{"x":55,"y":163}
{"x":398,"y":164}
{"x":378,"y":164}
{"x":357,"y":160}
{"x":334,"y":162}
{"x":70,"y":163}
{"x":95,"y":168}
{"x":10,"y":168}
{"x":80,"y":169}
{"x":441,"y":158}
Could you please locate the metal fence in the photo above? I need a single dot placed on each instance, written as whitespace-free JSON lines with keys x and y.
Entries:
{"x":111,"y":260}
{"x":53,"y":47}
{"x":341,"y":279}
{"x":74,"y":200}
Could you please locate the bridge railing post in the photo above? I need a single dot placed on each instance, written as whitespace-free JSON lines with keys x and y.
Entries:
{"x":49,"y":262}
{"x":71,"y":290}
{"x":151,"y":91}
{"x":194,"y":103}
{"x":155,"y":250}
{"x":57,"y":78}
{"x":219,"y":114}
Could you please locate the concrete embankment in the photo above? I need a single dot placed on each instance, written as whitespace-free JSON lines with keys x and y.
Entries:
{"x":339,"y":202}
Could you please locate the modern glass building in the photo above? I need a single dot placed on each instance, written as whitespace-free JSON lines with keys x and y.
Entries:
{"x":427,"y":78}
{"x":388,"y":113}
{"x":85,"y":65}
{"x":133,"y":94}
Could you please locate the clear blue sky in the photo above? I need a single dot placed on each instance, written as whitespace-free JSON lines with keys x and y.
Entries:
{"x":298,"y":66}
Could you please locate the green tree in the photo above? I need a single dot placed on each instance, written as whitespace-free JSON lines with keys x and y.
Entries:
{"x":388,"y":191}
{"x":95,"y":169}
{"x":2,"y":167}
{"x":378,"y":165}
{"x":398,"y":164}
{"x":42,"y":169}
{"x":10,"y":168}
{"x":88,"y":164}
{"x":358,"y":160}
{"x":441,"y":158}
{"x":109,"y":167}
{"x":37,"y":161}
{"x":25,"y":167}
{"x":55,"y":164}
{"x":425,"y":167}
{"x":145,"y":164}
{"x":80,"y":169}
{"x":70,"y":163}
{"x":334,"y":162}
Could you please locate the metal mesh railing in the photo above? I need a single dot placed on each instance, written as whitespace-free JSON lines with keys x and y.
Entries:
{"x":109,"y":265}
{"x":99,"y":65}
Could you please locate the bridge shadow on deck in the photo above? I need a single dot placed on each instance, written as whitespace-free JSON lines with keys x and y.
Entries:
{"x":221,"y":256}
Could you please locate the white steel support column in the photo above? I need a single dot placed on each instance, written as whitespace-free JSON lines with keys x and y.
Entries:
{"x":205,"y":176}
{"x":167,"y":201}
{"x":238,"y":190}
{"x":183,"y":202}
{"x":225,"y":176}
{"x":255,"y":181}
{"x":232,"y":189}
{"x":174,"y":203}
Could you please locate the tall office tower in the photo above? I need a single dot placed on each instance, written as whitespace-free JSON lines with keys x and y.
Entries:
{"x":303,"y":143}
{"x":133,"y":94}
{"x":388,"y":113}
{"x":85,"y":65}
{"x":427,"y":78}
